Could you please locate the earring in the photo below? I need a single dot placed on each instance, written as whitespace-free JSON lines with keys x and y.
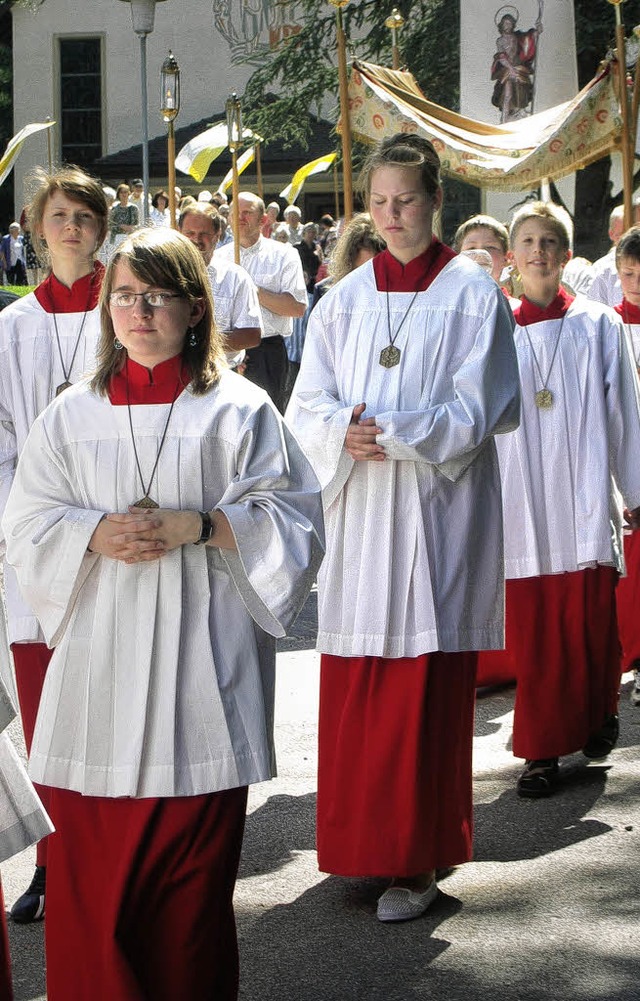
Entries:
{"x":117,"y":344}
{"x":193,"y":338}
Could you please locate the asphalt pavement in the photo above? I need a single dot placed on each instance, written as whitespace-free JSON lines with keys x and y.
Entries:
{"x":548,"y":909}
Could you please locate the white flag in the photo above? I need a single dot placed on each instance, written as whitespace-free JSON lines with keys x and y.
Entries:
{"x":15,"y":145}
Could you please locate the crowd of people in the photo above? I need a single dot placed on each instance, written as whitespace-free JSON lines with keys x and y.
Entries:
{"x":179,"y":434}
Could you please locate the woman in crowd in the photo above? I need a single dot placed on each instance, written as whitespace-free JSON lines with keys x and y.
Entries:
{"x":178,"y":529}
{"x":409,"y":370}
{"x":123,"y":217}
{"x":159,"y":214}
{"x":47,"y":341}
{"x":357,"y":244}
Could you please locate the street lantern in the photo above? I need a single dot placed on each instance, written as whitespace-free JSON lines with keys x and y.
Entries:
{"x":169,"y":108}
{"x":143,"y":13}
{"x":344,"y":109}
{"x":394,"y":22}
{"x":233,"y":110}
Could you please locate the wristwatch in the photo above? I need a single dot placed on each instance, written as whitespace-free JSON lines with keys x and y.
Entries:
{"x":207,"y":528}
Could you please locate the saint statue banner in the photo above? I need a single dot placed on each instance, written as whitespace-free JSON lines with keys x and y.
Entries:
{"x":514,"y":156}
{"x":317,"y":166}
{"x":516,"y":60}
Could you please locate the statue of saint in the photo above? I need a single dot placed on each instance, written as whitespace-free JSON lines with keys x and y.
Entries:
{"x":513,"y":66}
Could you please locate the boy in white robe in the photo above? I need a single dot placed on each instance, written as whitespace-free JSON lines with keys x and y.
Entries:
{"x":628,"y":591}
{"x":579,"y":439}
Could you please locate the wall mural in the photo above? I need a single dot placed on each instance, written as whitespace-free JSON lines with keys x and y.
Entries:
{"x":253,"y":28}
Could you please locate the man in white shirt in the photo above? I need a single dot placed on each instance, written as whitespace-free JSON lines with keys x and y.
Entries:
{"x":234,"y":294}
{"x":293,"y":219}
{"x":277,"y":271}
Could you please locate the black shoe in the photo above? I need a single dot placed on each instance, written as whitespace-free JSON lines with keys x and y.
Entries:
{"x":603,"y":741}
{"x":30,"y":906}
{"x":538,"y":778}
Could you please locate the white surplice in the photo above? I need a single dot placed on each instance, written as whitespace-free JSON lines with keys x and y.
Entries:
{"x":235,"y":300}
{"x":30,"y":372}
{"x":161,"y":683}
{"x":561,"y":468}
{"x":414,"y":543}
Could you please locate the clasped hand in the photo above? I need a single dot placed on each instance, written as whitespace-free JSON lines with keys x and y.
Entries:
{"x":143,"y":535}
{"x":360,"y":441}
{"x":632,"y":518}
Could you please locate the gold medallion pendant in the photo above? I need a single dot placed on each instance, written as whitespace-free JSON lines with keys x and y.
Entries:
{"x":390,"y":356}
{"x":544,"y":399}
{"x":61,"y":388}
{"x":146,"y":502}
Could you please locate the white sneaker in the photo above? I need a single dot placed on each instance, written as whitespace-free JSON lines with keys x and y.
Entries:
{"x":401,"y":904}
{"x":635,"y":691}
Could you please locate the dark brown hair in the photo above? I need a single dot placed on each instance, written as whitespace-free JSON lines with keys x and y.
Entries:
{"x":163,"y":259}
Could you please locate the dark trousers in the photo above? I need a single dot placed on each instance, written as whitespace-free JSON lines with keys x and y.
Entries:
{"x":267,"y":366}
{"x":17,"y":275}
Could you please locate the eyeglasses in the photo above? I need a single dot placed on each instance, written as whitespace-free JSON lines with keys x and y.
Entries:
{"x":157,"y":300}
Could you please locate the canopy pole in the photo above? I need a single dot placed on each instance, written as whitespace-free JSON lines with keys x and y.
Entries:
{"x":627,"y":153}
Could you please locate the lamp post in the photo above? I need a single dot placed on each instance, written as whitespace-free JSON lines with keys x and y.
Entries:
{"x":233,"y":110}
{"x":143,"y":13}
{"x":394,"y":22}
{"x":169,"y":108}
{"x":344,"y":110}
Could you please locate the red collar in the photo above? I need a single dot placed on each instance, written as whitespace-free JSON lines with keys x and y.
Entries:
{"x":417,"y":275}
{"x":54,"y":297}
{"x":527,"y":312}
{"x":144,"y":386}
{"x":628,"y":312}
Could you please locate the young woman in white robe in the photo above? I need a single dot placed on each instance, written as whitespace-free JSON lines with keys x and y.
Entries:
{"x":157,"y":709}
{"x":409,"y":371}
{"x":564,"y":472}
{"x":47,"y":341}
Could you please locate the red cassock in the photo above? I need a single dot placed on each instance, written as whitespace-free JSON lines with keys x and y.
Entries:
{"x":561,"y":630}
{"x":628,"y":602}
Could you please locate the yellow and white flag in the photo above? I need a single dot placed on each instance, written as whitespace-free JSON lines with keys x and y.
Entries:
{"x":15,"y":145}
{"x":196,"y":157}
{"x":247,"y":157}
{"x":293,"y":189}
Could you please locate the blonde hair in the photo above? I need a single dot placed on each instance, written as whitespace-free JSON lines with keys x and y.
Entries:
{"x":163,"y":259}
{"x":403,"y":150}
{"x":486,"y":222}
{"x":552,"y":214}
{"x":77,"y":186}
{"x":359,"y":234}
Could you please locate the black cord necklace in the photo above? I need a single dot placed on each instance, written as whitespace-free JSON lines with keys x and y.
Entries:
{"x":67,"y":372}
{"x":146,"y":501}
